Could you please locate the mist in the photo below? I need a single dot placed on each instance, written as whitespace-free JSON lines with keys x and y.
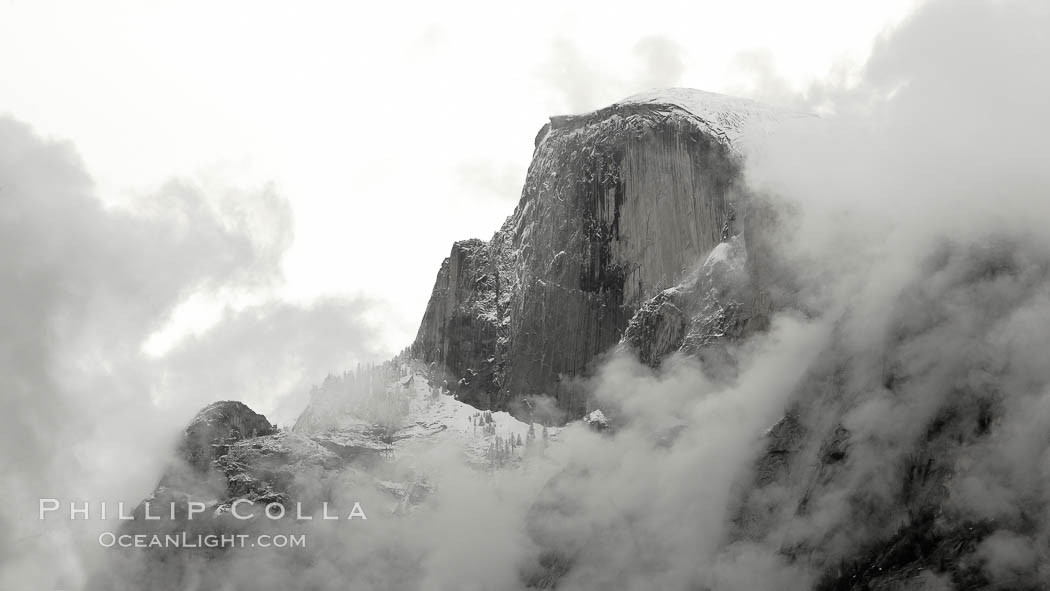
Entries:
{"x":910,"y":271}
{"x":89,"y":413}
{"x":911,"y":265}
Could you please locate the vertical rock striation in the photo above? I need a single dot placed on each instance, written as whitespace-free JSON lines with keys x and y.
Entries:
{"x":618,"y":206}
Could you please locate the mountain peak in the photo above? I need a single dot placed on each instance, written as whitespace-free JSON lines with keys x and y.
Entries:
{"x":619,"y":205}
{"x":728,"y":117}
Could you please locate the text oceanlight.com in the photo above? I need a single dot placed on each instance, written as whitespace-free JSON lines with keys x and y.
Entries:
{"x":186,"y":540}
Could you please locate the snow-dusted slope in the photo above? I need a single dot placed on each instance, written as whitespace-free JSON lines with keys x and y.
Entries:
{"x":727,"y":117}
{"x":379,"y":437}
{"x":398,"y":412}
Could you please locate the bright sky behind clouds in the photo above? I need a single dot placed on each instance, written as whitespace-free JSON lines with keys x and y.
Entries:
{"x":392,"y":128}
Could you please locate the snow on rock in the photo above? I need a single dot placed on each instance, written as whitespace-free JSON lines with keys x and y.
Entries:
{"x":596,"y":420}
{"x":728,"y":117}
{"x":224,"y":421}
{"x":406,"y":414}
{"x":619,"y":204}
{"x":702,"y":310}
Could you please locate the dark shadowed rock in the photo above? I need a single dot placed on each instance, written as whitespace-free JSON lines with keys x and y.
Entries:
{"x":218,"y":425}
{"x":619,"y":205}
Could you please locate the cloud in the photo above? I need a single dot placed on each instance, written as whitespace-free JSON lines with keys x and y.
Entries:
{"x":662,"y":62}
{"x":649,"y":506}
{"x":582,"y":84}
{"x":571,"y":74}
{"x":910,"y":217}
{"x":88,"y":414}
{"x":911,"y":223}
{"x":755,"y":76}
{"x":275,"y":352}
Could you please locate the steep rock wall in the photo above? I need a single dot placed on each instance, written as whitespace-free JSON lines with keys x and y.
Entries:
{"x":618,"y":205}
{"x":459,"y":327}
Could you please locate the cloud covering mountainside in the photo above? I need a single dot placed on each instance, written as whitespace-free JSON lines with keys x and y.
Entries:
{"x":885,"y":426}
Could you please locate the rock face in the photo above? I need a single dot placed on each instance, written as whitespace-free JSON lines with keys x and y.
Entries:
{"x":360,"y":443}
{"x":230,"y":452}
{"x":364,"y":419}
{"x":633,"y":230}
{"x":618,"y":206}
{"x":217,"y":424}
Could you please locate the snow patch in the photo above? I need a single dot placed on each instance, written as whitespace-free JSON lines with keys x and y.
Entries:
{"x":731,"y":118}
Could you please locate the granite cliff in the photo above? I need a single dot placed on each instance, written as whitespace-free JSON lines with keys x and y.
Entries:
{"x":630,"y":231}
{"x":618,"y":206}
{"x":876,"y":469}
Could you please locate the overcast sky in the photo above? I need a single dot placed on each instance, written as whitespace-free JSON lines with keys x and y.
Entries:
{"x":392,"y":129}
